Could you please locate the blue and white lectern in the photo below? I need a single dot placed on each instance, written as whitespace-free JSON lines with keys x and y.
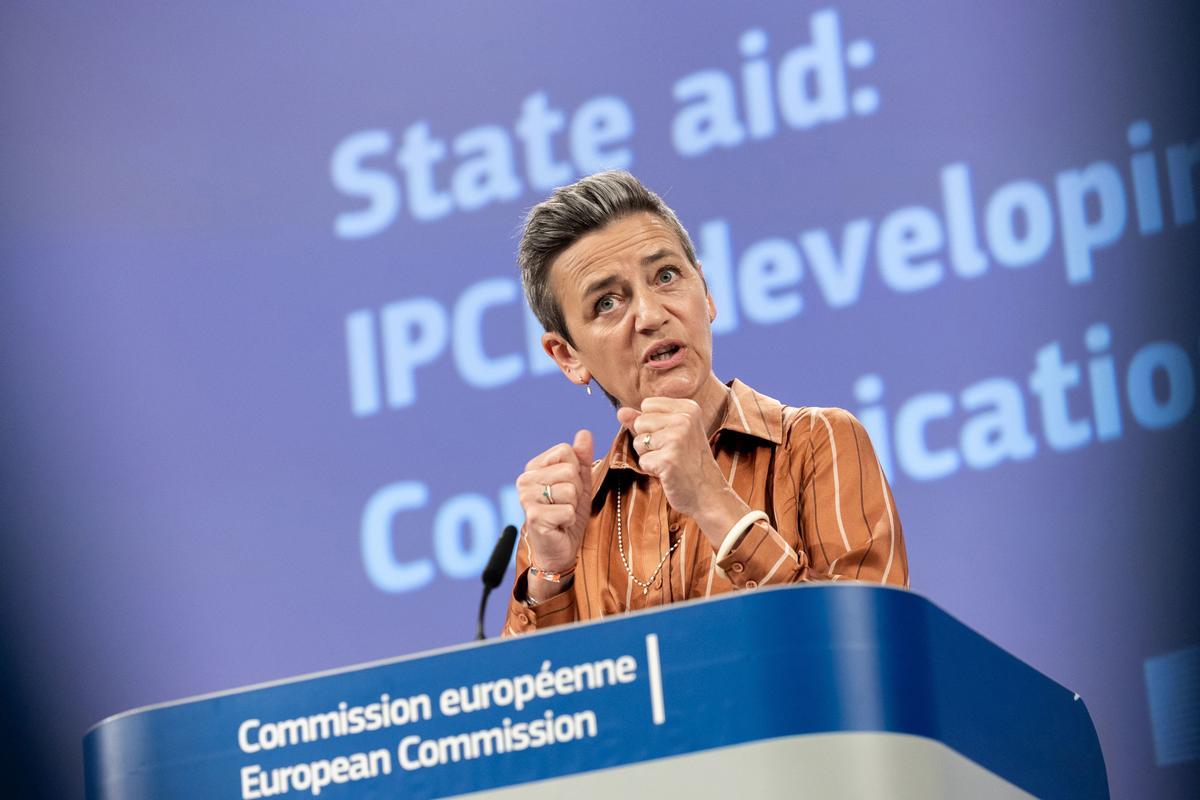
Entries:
{"x":834,"y":691}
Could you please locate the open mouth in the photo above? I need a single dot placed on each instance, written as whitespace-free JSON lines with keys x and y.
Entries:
{"x":664,"y":352}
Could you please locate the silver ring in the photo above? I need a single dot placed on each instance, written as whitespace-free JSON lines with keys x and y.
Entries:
{"x":547,"y":493}
{"x":646,"y":442}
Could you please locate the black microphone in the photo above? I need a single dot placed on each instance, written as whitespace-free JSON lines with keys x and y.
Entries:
{"x":493,"y":573}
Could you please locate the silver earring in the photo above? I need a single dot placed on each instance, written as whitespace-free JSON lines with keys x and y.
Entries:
{"x":588,"y":386}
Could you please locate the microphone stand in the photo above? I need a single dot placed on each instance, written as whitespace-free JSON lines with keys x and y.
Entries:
{"x":493,"y":573}
{"x":479,"y":634}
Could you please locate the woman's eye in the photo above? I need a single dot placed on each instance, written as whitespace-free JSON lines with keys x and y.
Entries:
{"x":668,"y":275}
{"x":606,"y":303}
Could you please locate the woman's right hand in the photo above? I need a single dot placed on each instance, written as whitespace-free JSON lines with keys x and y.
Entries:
{"x":555,"y":530}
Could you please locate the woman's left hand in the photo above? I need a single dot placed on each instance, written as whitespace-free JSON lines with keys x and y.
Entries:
{"x":672,"y":445}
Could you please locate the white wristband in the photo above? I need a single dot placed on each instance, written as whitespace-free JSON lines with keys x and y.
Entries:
{"x":735,"y":533}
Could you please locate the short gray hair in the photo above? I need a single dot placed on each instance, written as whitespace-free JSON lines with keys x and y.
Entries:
{"x":568,"y":215}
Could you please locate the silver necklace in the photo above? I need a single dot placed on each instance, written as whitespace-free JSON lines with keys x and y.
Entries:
{"x":621,"y":549}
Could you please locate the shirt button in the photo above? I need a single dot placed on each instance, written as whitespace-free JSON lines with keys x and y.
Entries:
{"x":751,"y":585}
{"x":524,"y":618}
{"x":737,"y":567}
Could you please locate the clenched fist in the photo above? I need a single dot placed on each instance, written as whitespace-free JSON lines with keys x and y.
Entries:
{"x":672,"y":445}
{"x":556,"y":518}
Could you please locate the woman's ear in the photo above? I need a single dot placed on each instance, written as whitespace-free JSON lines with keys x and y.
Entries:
{"x":567,"y":359}
{"x":712,"y":307}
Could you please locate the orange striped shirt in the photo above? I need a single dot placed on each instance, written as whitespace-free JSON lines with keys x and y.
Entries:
{"x":813,"y":472}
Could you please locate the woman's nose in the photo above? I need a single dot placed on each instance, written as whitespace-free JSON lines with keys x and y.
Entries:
{"x":649,"y":314}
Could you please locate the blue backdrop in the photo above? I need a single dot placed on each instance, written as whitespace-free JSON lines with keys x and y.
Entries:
{"x":268,"y":376}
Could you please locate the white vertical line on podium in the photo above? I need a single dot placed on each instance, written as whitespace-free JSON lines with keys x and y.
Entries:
{"x":656,"y":697}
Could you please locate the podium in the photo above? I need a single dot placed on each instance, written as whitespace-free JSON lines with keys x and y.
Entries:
{"x":823,"y":691}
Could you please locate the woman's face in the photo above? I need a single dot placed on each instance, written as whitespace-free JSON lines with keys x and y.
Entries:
{"x":638,"y":310}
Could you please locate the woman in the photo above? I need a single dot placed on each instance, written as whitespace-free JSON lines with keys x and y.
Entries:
{"x":707,"y":487}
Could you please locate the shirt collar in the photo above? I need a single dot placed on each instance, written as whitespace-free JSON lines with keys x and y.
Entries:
{"x":753,"y":414}
{"x":747,"y":412}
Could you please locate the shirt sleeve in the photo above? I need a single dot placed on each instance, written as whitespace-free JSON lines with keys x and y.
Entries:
{"x":848,"y":524}
{"x":522,"y":618}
